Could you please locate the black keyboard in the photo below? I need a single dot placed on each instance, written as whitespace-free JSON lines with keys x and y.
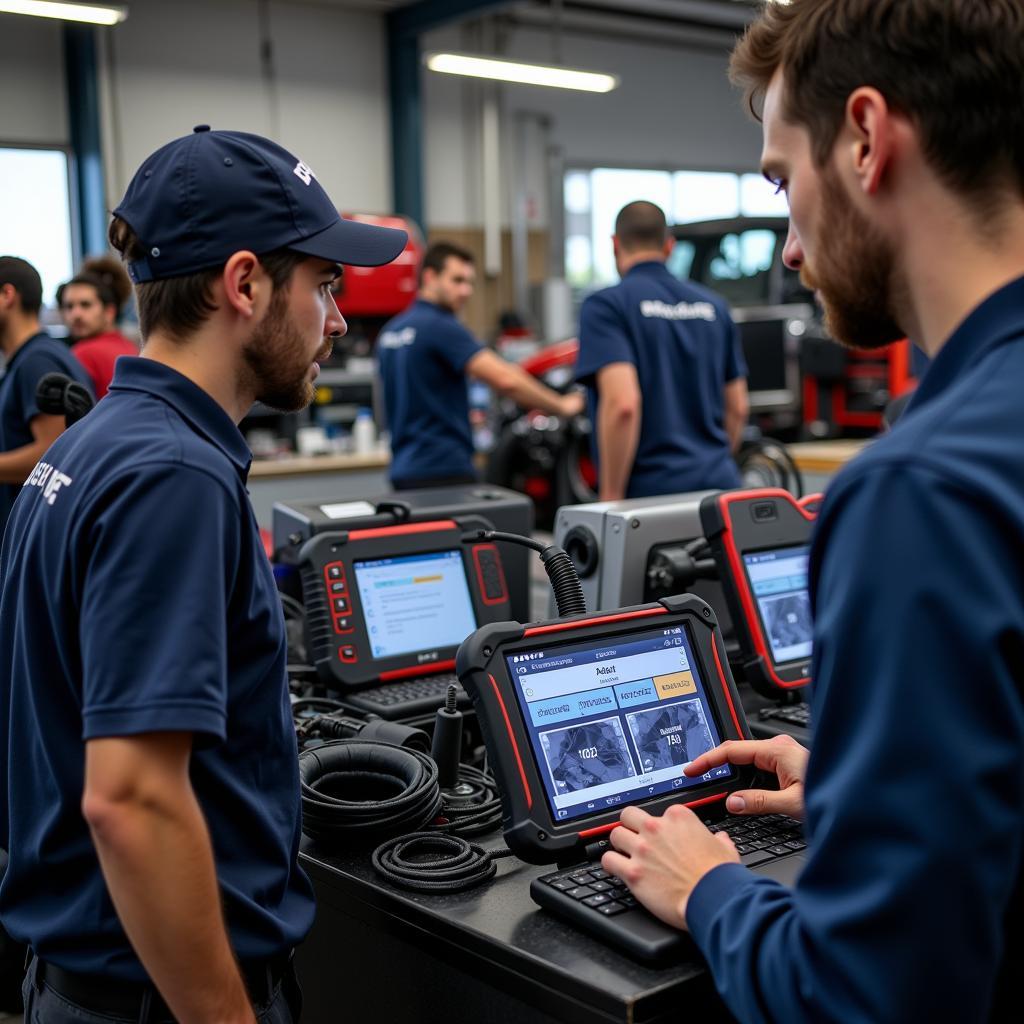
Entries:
{"x":600,"y":904}
{"x":793,"y":714}
{"x":416,"y":696}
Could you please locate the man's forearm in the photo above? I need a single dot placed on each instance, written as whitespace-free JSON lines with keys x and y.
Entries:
{"x":158,"y":865}
{"x":618,"y":433}
{"x":734,"y":424}
{"x":530,"y":393}
{"x":16,"y":464}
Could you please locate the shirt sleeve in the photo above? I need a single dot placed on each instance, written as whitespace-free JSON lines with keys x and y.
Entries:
{"x":31,"y":369}
{"x":455,"y":345}
{"x":914,"y":787}
{"x":604,"y":338}
{"x":735,"y":363}
{"x":162,"y":555}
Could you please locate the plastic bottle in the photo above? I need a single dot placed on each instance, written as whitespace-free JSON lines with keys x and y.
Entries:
{"x":364,"y":432}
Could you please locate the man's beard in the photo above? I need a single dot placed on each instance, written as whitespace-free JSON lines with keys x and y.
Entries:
{"x":854,"y":273}
{"x":276,"y":358}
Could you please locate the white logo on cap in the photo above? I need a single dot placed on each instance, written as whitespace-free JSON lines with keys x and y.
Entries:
{"x":305,"y":172}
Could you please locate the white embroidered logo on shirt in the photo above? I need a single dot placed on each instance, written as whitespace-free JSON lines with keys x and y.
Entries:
{"x":397,"y":339}
{"x":655,"y":308}
{"x":48,"y":479}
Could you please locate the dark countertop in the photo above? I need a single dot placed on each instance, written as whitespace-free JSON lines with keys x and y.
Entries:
{"x":498,"y":936}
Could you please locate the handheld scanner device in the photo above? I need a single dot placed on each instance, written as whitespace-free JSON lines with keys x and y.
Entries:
{"x":584,"y":715}
{"x":394,"y":602}
{"x":761,"y":542}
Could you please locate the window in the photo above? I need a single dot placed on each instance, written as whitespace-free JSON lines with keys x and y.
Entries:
{"x":35,"y":211}
{"x":593,"y":199}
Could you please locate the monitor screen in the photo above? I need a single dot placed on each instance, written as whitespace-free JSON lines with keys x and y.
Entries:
{"x":614,"y":721}
{"x":779,"y":581}
{"x":415,"y":602}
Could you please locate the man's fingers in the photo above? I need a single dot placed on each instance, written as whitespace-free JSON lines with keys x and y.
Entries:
{"x":729,"y":752}
{"x":614,"y":863}
{"x":633,"y":817}
{"x":623,"y":839}
{"x":765,"y":801}
{"x":723,"y":838}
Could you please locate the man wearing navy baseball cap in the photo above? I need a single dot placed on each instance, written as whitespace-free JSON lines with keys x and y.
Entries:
{"x":145,"y":727}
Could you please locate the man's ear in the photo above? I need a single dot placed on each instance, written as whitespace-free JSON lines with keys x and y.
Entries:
{"x":245,"y":283}
{"x":872,"y":130}
{"x":670,"y":244}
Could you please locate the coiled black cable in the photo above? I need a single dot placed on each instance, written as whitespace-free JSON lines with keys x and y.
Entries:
{"x":565,"y":581}
{"x":353,"y":790}
{"x":473,"y":806}
{"x":434,"y":862}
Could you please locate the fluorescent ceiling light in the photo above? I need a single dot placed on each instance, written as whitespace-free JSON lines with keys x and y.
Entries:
{"x":65,"y":11}
{"x":524,"y":74}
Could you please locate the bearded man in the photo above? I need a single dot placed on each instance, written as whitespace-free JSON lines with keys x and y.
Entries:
{"x":145,"y":725}
{"x":895,"y":127}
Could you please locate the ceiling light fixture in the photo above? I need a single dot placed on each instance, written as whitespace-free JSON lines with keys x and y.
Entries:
{"x":65,"y":11}
{"x":522,"y":74}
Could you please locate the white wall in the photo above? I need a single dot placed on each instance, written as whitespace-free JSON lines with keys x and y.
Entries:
{"x":675,"y":108}
{"x":171,"y":66}
{"x":34,"y":105}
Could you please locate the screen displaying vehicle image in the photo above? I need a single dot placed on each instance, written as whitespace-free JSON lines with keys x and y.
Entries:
{"x":778,"y":580}
{"x":614,"y":721}
{"x":415,"y":602}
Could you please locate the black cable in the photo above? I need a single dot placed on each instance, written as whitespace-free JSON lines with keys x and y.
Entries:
{"x":366,"y":791}
{"x":433,"y":862}
{"x":565,"y":581}
{"x":473,"y":806}
{"x":292,"y":604}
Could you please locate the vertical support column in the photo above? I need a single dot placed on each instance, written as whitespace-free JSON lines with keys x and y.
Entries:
{"x":406,"y":124}
{"x":84,"y":118}
{"x":491,"y":165}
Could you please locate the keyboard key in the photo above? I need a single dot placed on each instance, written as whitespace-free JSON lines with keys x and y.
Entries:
{"x":580,"y":892}
{"x":796,"y":844}
{"x":597,"y":899}
{"x":600,"y":886}
{"x":611,"y":909}
{"x":755,"y":858}
{"x":580,"y":878}
{"x":779,"y":850}
{"x":628,"y":900}
{"x":561,"y":884}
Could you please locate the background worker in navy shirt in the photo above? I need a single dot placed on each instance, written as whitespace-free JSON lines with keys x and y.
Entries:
{"x":424,"y":357}
{"x":146,"y":736}
{"x":30,"y":354}
{"x":895,"y":127}
{"x":664,"y":371}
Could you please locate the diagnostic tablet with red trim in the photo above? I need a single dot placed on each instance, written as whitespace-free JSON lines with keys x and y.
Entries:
{"x":585,"y":715}
{"x":761,"y":542}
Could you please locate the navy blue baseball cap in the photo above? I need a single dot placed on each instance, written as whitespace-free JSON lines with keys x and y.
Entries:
{"x":201,"y":198}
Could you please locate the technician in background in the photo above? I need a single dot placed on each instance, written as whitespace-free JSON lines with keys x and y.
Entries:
{"x":664,"y":371}
{"x":30,"y":354}
{"x":895,"y":127}
{"x":424,"y":357}
{"x":90,"y":306}
{"x":151,"y":805}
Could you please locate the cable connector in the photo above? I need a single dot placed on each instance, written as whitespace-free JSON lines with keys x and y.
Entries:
{"x":446,"y":746}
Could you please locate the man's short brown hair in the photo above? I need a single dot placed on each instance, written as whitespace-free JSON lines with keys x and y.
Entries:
{"x":952,"y":66}
{"x":179,"y":306}
{"x":641,"y":225}
{"x":439,"y":253}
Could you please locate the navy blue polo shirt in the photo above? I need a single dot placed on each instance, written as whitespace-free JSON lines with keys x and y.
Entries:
{"x":136,"y":597}
{"x":422,"y":355}
{"x":685,"y":347}
{"x":37,"y":357}
{"x":910,"y":904}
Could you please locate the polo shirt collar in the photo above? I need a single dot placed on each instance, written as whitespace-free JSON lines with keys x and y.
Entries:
{"x":11,"y":360}
{"x":999,"y":319}
{"x":189,"y":400}
{"x":648,"y":267}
